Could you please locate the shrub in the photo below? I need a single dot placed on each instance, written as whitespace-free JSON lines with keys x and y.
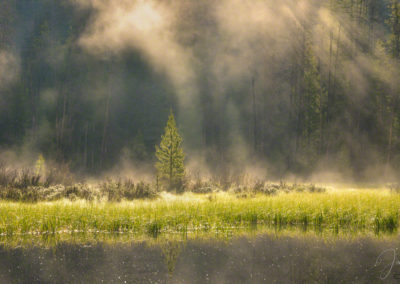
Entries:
{"x":58,"y":175}
{"x":25,"y":178}
{"x":273,"y":188}
{"x":200,"y":186}
{"x":118,"y":190}
{"x":394,"y":187}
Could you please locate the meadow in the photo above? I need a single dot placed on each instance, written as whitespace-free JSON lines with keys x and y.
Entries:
{"x":369,"y":211}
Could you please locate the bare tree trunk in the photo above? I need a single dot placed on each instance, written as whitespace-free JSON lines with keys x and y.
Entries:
{"x":330,"y":76}
{"x":371,"y":27}
{"x":292,"y":113}
{"x":254,"y":115}
{"x":170,"y":161}
{"x":33,"y":101}
{"x":63,"y":116}
{"x":390,"y":138}
{"x":390,"y":142}
{"x":336,"y":65}
{"x":321,"y":124}
{"x":106,"y":119}
{"x":104,"y":137}
{"x":389,"y":148}
{"x":85,"y":154}
{"x":321,"y":103}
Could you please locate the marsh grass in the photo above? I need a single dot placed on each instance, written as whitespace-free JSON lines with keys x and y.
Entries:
{"x":334,"y":213}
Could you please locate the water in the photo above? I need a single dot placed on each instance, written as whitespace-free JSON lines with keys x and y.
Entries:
{"x":259,"y":259}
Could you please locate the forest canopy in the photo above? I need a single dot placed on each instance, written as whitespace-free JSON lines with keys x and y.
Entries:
{"x":288,"y":87}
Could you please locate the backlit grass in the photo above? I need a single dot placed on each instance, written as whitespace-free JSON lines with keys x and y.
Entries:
{"x":351,"y":211}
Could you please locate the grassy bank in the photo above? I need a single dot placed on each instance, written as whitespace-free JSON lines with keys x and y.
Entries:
{"x":364,"y":210}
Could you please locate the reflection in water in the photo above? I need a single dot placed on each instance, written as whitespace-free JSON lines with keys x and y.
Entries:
{"x":262,"y":259}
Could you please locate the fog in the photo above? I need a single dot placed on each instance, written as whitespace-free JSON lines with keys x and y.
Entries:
{"x":272,"y":89}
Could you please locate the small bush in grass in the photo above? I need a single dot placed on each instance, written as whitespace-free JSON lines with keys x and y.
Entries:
{"x":200,"y":186}
{"x":81,"y":191}
{"x":259,"y":187}
{"x":7,"y":176}
{"x":27,"y":194}
{"x":118,"y":190}
{"x":144,"y":190}
{"x":58,"y":175}
{"x":25,"y":178}
{"x":314,"y":188}
{"x":394,"y":187}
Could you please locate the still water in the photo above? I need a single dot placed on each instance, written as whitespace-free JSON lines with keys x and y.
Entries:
{"x":258,"y":259}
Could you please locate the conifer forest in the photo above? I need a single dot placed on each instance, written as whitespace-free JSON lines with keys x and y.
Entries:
{"x":294,"y":87}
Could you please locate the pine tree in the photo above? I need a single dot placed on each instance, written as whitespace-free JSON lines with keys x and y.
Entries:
{"x":170,"y":156}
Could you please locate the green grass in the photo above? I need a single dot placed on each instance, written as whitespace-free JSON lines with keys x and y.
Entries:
{"x":334,"y":212}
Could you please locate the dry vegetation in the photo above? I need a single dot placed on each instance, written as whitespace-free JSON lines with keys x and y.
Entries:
{"x":28,"y":185}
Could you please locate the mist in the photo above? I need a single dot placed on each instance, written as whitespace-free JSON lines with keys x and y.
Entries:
{"x":305,"y":89}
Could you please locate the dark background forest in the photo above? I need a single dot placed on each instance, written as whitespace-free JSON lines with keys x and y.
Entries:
{"x":277,"y":87}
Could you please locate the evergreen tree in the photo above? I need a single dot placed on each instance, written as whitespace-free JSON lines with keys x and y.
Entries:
{"x":170,"y":156}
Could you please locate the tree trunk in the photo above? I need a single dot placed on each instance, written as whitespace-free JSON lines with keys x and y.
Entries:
{"x":85,"y":154}
{"x":254,"y":115}
{"x":106,"y":119}
{"x":170,"y":161}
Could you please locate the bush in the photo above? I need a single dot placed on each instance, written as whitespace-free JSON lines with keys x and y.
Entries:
{"x":200,"y":186}
{"x":58,"y":175}
{"x":118,"y":190}
{"x":79,"y":191}
{"x":143,"y":190}
{"x":273,"y":188}
{"x":25,"y":178}
{"x":28,"y":194}
{"x":394,"y":187}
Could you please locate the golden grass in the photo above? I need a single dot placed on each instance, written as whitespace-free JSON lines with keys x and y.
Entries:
{"x":374,"y":211}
